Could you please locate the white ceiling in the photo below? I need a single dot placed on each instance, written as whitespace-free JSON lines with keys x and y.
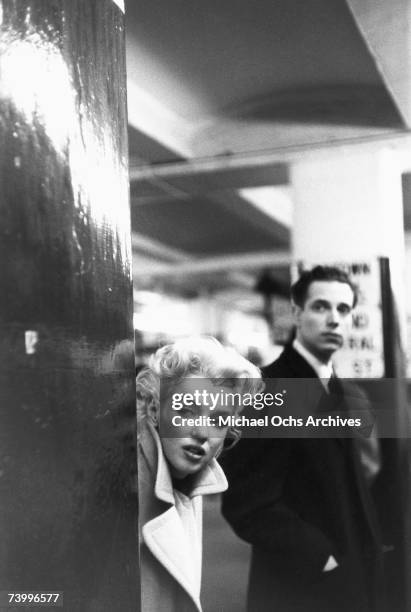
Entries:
{"x":220,"y":92}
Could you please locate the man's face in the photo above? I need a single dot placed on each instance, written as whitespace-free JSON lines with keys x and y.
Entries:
{"x":325,"y":318}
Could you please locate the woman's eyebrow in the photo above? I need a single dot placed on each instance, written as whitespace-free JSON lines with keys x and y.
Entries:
{"x":223,"y":411}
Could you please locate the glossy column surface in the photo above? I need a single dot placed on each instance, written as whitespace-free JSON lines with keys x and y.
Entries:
{"x":67,"y":426}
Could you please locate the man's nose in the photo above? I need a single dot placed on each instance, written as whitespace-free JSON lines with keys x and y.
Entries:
{"x":333,"y":317}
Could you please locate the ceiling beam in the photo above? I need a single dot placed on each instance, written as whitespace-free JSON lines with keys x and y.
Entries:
{"x":400,"y":139}
{"x":243,"y":261}
{"x":254,"y":217}
{"x":153,"y":118}
{"x":155,"y":248}
{"x":199,"y":178}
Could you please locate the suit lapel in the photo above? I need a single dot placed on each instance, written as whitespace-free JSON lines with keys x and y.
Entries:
{"x":300,"y":368}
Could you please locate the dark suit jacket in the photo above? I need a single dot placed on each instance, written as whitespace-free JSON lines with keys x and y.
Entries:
{"x":298,"y":501}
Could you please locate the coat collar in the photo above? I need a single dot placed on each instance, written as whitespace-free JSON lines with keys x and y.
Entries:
{"x":297,"y":364}
{"x":164,"y":534}
{"x":165,"y":538}
{"x":324,"y":371}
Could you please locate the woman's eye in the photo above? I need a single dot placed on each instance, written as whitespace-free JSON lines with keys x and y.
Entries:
{"x":219,"y":421}
{"x":186,"y":411}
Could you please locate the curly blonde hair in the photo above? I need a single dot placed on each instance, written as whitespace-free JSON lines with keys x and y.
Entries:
{"x":201,"y":356}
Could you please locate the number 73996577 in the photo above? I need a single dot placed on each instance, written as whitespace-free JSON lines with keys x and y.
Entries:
{"x":29,"y":598}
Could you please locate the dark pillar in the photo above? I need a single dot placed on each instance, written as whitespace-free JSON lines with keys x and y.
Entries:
{"x":67,"y":444}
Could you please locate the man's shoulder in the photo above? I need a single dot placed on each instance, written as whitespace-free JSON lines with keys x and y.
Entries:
{"x":352,"y":389}
{"x":288,"y":365}
{"x":277,"y":368}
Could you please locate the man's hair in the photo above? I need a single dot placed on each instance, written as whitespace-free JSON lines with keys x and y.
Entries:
{"x":299,"y":289}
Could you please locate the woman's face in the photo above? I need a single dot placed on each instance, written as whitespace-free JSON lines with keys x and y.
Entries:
{"x":189,"y":447}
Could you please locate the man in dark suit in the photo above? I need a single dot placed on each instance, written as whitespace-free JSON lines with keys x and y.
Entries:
{"x":304,"y":503}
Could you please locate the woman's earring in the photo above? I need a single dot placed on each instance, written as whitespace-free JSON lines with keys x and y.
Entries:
{"x":152,"y":413}
{"x":232,"y":438}
{"x":154,"y":420}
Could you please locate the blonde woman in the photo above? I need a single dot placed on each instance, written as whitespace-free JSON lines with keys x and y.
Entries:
{"x":177,"y":465}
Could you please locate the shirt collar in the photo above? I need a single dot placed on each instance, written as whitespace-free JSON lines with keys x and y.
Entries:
{"x":209,"y":480}
{"x":324,"y":371}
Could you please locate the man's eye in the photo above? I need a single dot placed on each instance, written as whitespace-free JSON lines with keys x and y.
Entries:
{"x":319,"y":307}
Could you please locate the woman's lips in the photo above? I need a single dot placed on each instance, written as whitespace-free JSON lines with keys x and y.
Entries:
{"x":193,"y":452}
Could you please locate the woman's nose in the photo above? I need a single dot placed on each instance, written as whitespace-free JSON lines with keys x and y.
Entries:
{"x":200,"y":434}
